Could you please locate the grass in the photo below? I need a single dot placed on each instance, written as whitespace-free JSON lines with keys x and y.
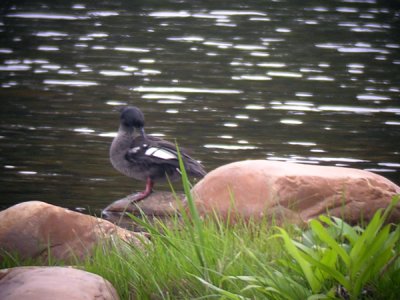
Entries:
{"x":210,"y":259}
{"x":251,"y":260}
{"x":176,"y":266}
{"x":194,"y":258}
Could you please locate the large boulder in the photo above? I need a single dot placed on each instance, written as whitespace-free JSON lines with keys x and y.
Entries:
{"x":36,"y":229}
{"x":294,"y":192}
{"x":49,"y":283}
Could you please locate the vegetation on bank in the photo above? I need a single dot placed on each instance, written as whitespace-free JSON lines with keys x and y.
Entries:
{"x":193,"y":258}
{"x":213,"y":260}
{"x":210,"y":259}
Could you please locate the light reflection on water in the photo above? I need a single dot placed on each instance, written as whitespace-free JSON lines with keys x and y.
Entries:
{"x":311,"y":83}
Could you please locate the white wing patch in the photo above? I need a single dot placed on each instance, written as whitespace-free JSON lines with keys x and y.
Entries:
{"x":160,"y":153}
{"x":134,"y":150}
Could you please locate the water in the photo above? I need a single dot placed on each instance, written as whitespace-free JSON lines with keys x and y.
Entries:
{"x":314,"y":82}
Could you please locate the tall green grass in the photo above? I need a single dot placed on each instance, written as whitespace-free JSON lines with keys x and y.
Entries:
{"x":170,"y":266}
{"x":195,"y":258}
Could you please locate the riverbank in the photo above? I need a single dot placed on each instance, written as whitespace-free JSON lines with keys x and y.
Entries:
{"x":248,"y":260}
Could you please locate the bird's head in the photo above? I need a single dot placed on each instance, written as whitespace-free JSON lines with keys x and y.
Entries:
{"x":132,"y":118}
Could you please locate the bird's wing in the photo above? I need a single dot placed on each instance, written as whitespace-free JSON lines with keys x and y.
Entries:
{"x":152,"y":150}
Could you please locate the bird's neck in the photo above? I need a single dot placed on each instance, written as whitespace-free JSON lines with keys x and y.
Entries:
{"x":122,"y":141}
{"x":128,"y":132}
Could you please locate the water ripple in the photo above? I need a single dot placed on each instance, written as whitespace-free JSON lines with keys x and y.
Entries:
{"x":347,"y":9}
{"x":163,"y":96}
{"x":291,"y":121}
{"x":97,"y":35}
{"x":338,"y":159}
{"x":103,"y":13}
{"x":83,"y":130}
{"x":161,"y":89}
{"x":284,"y":74}
{"x":77,"y":83}
{"x":302,"y":143}
{"x":129,"y":68}
{"x":48,"y":48}
{"x":259,"y":54}
{"x":362,"y":50}
{"x":116,"y":103}
{"x":358,"y":109}
{"x":396,"y":123}
{"x":50,"y":16}
{"x":230,"y":147}
{"x":150,"y":72}
{"x":249,"y":47}
{"x":186,"y":38}
{"x":78,"y":6}
{"x":237,"y":13}
{"x":263,"y":19}
{"x":50,"y":34}
{"x":169,"y":14}
{"x":320,"y":78}
{"x":230,"y":124}
{"x":372,"y":97}
{"x":6,"y":50}
{"x":114,"y":73}
{"x":271,"y":65}
{"x":303,"y":94}
{"x":218,"y":44}
{"x":208,"y":16}
{"x":18,"y":67}
{"x":251,"y":77}
{"x":254,"y":107}
{"x":131,"y":49}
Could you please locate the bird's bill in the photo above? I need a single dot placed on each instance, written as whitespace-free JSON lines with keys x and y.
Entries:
{"x":142,"y":133}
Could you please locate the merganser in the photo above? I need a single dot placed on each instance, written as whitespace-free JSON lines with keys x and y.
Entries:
{"x":147,"y":158}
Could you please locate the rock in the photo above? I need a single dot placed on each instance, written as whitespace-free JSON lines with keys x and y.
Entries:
{"x":157,"y":204}
{"x":48,"y":283}
{"x":299,"y":192}
{"x":161,"y":205}
{"x":30,"y":229}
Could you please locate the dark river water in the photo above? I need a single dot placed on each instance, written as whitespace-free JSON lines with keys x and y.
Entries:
{"x":316,"y":82}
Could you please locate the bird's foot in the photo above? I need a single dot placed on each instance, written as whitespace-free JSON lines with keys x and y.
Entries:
{"x":140,"y":196}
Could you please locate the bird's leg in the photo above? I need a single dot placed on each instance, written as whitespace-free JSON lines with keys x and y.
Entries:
{"x":148,"y":190}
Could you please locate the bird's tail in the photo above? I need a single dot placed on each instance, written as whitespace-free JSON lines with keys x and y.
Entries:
{"x":195,"y":169}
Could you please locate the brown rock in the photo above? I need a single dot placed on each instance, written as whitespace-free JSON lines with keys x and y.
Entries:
{"x":30,"y":229}
{"x":254,"y":188}
{"x":49,"y":283}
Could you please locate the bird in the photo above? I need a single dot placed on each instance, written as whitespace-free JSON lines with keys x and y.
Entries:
{"x":147,"y":158}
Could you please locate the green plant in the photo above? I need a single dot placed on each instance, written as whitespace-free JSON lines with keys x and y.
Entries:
{"x":333,"y":253}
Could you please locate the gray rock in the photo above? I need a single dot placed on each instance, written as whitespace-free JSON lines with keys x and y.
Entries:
{"x":159,"y":205}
